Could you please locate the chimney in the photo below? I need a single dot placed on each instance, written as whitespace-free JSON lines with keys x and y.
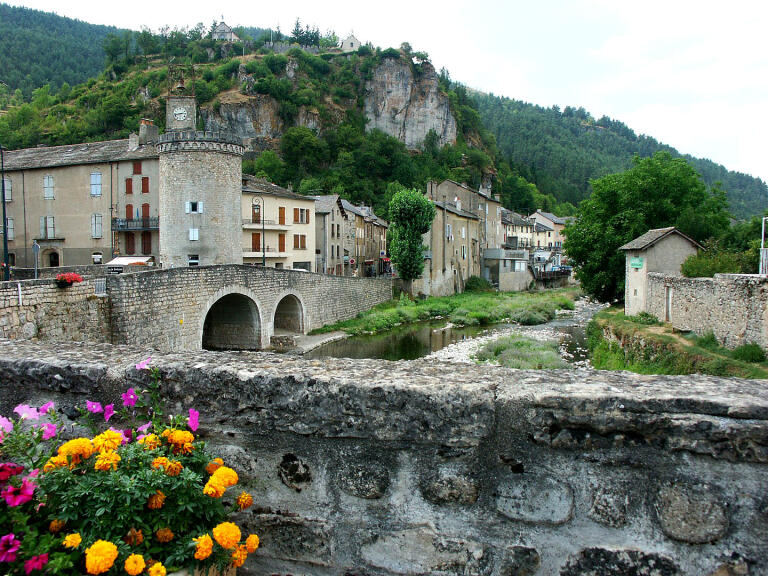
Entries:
{"x":148,"y":132}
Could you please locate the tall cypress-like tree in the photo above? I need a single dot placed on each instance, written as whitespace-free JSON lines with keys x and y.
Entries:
{"x":410,"y":216}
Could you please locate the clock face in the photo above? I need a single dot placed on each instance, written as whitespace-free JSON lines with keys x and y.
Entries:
{"x":180,"y":113}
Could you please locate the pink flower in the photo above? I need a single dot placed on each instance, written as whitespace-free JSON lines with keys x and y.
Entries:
{"x":47,"y":407}
{"x":129,"y":398}
{"x":6,"y":427}
{"x":8,"y":469}
{"x":24,"y":411}
{"x":35,"y":563}
{"x":193,"y":420}
{"x":93,"y":407}
{"x":144,"y":364}
{"x":16,"y":496}
{"x":49,"y":430}
{"x":109,"y":411}
{"x":143,"y":428}
{"x":9,"y":544}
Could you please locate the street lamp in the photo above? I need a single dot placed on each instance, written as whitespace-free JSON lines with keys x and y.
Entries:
{"x":262,"y":209}
{"x":6,"y":267}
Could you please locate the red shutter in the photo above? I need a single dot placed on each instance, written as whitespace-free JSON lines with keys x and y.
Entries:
{"x":145,"y":210}
{"x":281,"y":212}
{"x":146,"y":242}
{"x":295,"y":215}
{"x":130,"y":243}
{"x":137,"y":167}
{"x":303,"y":241}
{"x":256,"y":242}
{"x":295,"y":241}
{"x":129,"y":211}
{"x":129,"y":185}
{"x":307,"y":216}
{"x":281,"y":244}
{"x":145,"y":185}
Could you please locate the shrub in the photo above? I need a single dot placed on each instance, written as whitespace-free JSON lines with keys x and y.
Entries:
{"x":708,"y":341}
{"x":529,"y":317}
{"x":749,"y":353}
{"x":644,"y":318}
{"x":477,"y":284}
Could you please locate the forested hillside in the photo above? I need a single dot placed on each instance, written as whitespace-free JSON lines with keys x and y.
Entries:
{"x":560,"y":151}
{"x":38,"y":48}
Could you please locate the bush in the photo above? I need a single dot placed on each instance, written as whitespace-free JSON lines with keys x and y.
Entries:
{"x":644,"y":318}
{"x":749,"y":353}
{"x":477,"y":284}
{"x":529,"y":317}
{"x":708,"y":341}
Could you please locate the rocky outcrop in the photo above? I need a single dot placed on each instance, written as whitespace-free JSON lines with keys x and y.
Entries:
{"x":406,"y":107}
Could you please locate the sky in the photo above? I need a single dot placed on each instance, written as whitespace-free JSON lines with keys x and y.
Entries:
{"x":692,"y":74}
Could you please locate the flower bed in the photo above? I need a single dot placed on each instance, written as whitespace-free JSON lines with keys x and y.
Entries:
{"x":67,"y":279}
{"x":140,"y":498}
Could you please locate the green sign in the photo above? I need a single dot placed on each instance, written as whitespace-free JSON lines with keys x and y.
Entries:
{"x":636,"y":262}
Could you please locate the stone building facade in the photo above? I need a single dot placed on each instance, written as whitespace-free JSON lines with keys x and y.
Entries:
{"x":334,"y":235}
{"x":368,"y":253}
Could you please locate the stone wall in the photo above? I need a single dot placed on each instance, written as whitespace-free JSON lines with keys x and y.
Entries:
{"x":733,"y":307}
{"x":382,"y":468}
{"x":515,"y":281}
{"x":48,"y":312}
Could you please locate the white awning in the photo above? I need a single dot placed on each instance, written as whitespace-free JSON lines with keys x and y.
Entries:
{"x":132,"y":261}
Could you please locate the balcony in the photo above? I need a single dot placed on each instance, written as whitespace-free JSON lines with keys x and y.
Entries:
{"x":249,"y":252}
{"x":256,"y":224}
{"x":135,"y":224}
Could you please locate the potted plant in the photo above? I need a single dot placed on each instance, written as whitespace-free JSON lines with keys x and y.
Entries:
{"x":67,"y":279}
{"x":136,"y":499}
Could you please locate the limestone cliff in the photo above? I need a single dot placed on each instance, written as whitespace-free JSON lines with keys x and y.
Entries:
{"x":406,"y":107}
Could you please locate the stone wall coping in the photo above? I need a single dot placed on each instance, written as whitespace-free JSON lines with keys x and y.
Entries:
{"x":200,"y":136}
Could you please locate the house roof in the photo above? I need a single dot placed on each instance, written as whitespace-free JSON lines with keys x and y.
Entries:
{"x":73,"y":154}
{"x":262,"y":186}
{"x":542,"y":227}
{"x":365,"y":212}
{"x":513,"y":218}
{"x":481,"y":192}
{"x":653,"y":236}
{"x":552,"y":217}
{"x":324,"y":204}
{"x":458,"y":211}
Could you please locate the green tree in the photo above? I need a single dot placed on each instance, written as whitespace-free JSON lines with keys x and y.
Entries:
{"x":656,"y":192}
{"x":410,"y":216}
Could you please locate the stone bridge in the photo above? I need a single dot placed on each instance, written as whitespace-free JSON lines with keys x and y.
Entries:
{"x":231,"y":306}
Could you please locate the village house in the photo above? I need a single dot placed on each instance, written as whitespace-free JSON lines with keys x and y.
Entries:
{"x":333,"y":235}
{"x":350,"y":44}
{"x":224,"y":33}
{"x":278,"y":226}
{"x":554,"y":228}
{"x":368,"y":254}
{"x":518,"y":230}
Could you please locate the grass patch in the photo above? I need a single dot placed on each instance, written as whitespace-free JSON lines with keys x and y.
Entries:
{"x":467,"y":309}
{"x":652,"y":348}
{"x":517,"y":351}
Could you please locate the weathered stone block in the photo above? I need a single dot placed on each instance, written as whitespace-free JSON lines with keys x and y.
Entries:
{"x":451,"y":490}
{"x":609,"y":507}
{"x":607,"y":562}
{"x":535,"y":499}
{"x":691,"y":514}
{"x":369,"y":481}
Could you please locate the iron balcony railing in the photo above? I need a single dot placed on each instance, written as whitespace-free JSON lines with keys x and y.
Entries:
{"x":257,"y":221}
{"x":130,"y":224}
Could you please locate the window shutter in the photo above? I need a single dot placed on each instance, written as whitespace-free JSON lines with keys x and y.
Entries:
{"x":50,"y":228}
{"x":295,"y":241}
{"x":42,"y":226}
{"x":145,"y":185}
{"x":295,"y":215}
{"x":93,"y":226}
{"x":188,"y":207}
{"x":199,"y":207}
{"x":129,"y":185}
{"x":308,"y":216}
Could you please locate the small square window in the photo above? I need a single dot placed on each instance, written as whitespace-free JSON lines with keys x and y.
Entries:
{"x":194,"y":234}
{"x":193,"y":260}
{"x":137,"y":167}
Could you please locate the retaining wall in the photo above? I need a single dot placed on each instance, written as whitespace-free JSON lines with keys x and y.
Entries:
{"x":732,"y":306}
{"x":381,"y":468}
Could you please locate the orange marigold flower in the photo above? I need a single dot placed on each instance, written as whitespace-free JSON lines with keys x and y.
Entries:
{"x":100,"y":557}
{"x":156,"y":501}
{"x":187,"y":448}
{"x":56,"y":526}
{"x":164,"y":535}
{"x":180,"y":437}
{"x":107,"y":461}
{"x":108,"y":440}
{"x":77,"y":447}
{"x":160,"y":462}
{"x":214,"y":465}
{"x":244,"y":501}
{"x":203,"y":547}
{"x":157,"y":569}
{"x":150,"y":441}
{"x":165,"y":433}
{"x":72,"y":540}
{"x":227,"y":534}
{"x":55,"y":462}
{"x":225,"y":476}
{"x":239,"y":555}
{"x":173,"y":468}
{"x":135,"y":564}
{"x":252,"y":543}
{"x":134,"y":537}
{"x":214,"y":488}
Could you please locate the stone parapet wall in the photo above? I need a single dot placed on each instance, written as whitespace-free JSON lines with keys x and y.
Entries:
{"x":732,"y":306}
{"x":87,"y":270}
{"x":382,"y":468}
{"x":47,"y":312}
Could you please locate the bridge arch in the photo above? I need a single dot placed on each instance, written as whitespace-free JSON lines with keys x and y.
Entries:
{"x":290,"y":313}
{"x":232,"y":320}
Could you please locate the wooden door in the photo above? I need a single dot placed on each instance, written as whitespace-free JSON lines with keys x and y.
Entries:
{"x":281,"y":243}
{"x":281,"y":215}
{"x":256,"y":242}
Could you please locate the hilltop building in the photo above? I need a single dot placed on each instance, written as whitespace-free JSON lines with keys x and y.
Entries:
{"x":350,"y":44}
{"x":224,"y":33}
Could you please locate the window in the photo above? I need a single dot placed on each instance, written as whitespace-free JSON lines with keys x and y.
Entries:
{"x":333,"y":231}
{"x":97,"y":257}
{"x":9,"y":225}
{"x":145,"y":185}
{"x":95,"y":183}
{"x":463,"y":252}
{"x":193,"y":260}
{"x":281,"y":242}
{"x":256,"y":242}
{"x":48,"y":187}
{"x":338,"y":230}
{"x":130,"y":243}
{"x":448,"y":231}
{"x":463,"y":232}
{"x":145,"y":211}
{"x":281,"y":215}
{"x":300,"y":216}
{"x":96,"y":226}
{"x":129,"y":211}
{"x":299,"y":241}
{"x":47,"y":227}
{"x":146,"y":242}
{"x":137,"y":167}
{"x":129,"y":185}
{"x":11,"y":259}
{"x":194,"y":234}
{"x":8,"y":189}
{"x":194,"y":208}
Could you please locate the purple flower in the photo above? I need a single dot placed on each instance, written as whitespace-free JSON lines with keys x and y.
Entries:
{"x":144,"y":364}
{"x":36,"y":563}
{"x":24,"y":411}
{"x":49,"y":430}
{"x":18,"y":495}
{"x":142,"y":429}
{"x":129,"y":398}
{"x":47,"y":407}
{"x":6,"y":427}
{"x":193,"y":420}
{"x":9,"y":544}
{"x":109,"y":411}
{"x":93,"y":407}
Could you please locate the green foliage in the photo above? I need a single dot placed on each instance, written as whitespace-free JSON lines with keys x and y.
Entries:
{"x":716,"y":259}
{"x":520,"y":352}
{"x":644,"y":318}
{"x":749,"y":353}
{"x":656,"y":192}
{"x":410,"y":216}
{"x":477,"y":284}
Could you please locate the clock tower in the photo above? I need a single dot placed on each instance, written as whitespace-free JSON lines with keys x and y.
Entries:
{"x":180,"y":107}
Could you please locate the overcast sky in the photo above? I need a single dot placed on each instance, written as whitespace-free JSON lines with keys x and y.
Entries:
{"x":692,"y":74}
